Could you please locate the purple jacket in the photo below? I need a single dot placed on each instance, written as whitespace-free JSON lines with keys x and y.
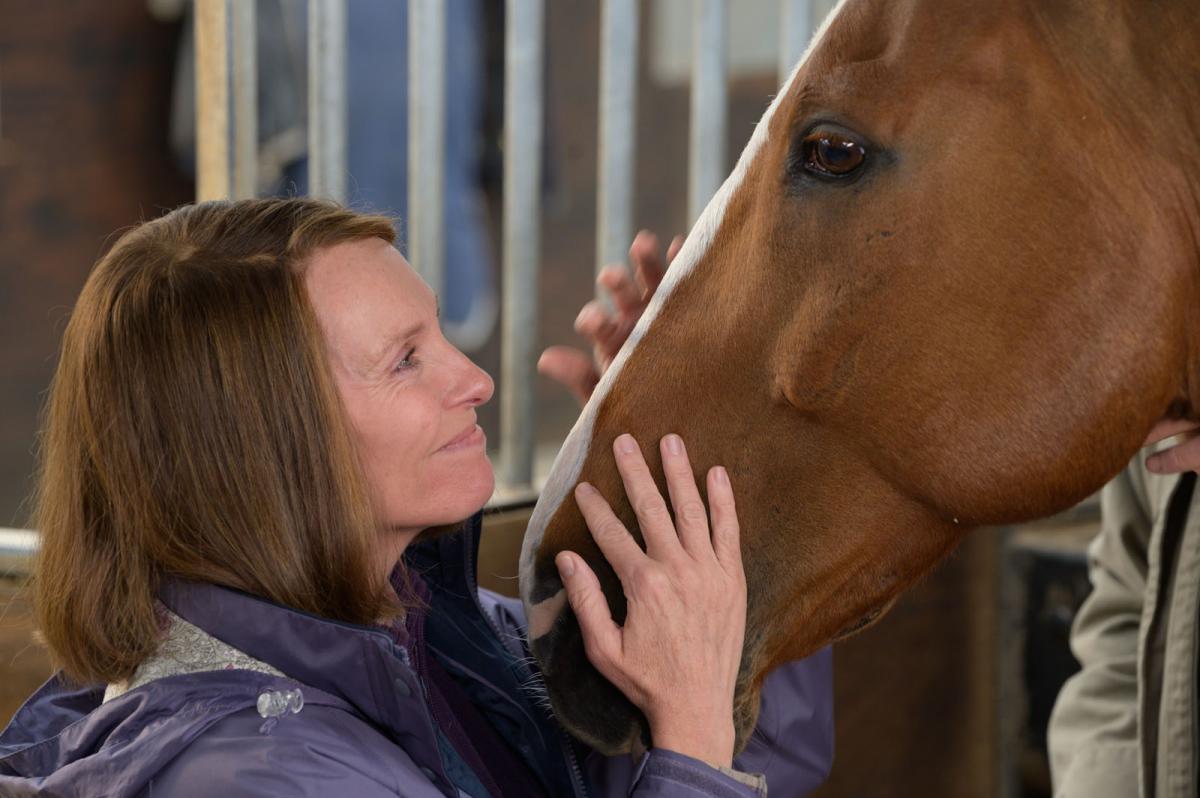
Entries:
{"x":359,"y":724}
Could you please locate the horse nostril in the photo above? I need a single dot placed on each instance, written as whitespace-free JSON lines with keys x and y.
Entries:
{"x":549,"y":599}
{"x":546,"y":581}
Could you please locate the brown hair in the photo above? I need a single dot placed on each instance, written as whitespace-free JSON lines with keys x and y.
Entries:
{"x":193,"y":429}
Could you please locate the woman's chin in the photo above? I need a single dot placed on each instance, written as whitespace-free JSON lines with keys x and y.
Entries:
{"x":475,"y":485}
{"x":486,"y":487}
{"x":452,"y":496}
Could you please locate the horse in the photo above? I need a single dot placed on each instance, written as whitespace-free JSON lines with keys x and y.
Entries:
{"x":952,"y":281}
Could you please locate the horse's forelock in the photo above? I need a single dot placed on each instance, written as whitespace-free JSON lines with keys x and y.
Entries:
{"x":574,"y":452}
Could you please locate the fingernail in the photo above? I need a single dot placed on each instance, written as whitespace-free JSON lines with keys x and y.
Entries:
{"x":584,"y":489}
{"x":1152,"y":464}
{"x":720,"y":475}
{"x":566,"y":566}
{"x":626,"y":444}
{"x":674,"y":444}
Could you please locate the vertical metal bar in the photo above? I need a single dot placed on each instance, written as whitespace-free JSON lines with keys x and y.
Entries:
{"x":212,"y":100}
{"x":327,"y":99}
{"x":3,"y":146}
{"x":795,"y":29}
{"x":523,"y":60}
{"x":710,"y":64}
{"x":618,"y":112}
{"x":245,"y":100}
{"x":427,"y":139}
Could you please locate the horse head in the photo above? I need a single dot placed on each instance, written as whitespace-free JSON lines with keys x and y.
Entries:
{"x":952,"y":281}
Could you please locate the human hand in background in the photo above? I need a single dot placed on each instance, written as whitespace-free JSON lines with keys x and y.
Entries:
{"x":1183,"y":456}
{"x":606,"y":331}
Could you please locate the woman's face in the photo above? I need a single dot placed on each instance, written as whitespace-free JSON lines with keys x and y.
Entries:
{"x":410,"y":395}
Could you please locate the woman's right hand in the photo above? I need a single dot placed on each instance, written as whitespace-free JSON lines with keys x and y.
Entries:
{"x":631,"y":293}
{"x":677,"y":655}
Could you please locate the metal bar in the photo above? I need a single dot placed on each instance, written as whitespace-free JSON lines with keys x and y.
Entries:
{"x":618,"y":112}
{"x":212,"y":100}
{"x":245,"y":100}
{"x":22,"y":542}
{"x":710,"y":101}
{"x":427,"y":139}
{"x":522,"y":234}
{"x":327,"y":99}
{"x":795,"y":30}
{"x":17,"y":550}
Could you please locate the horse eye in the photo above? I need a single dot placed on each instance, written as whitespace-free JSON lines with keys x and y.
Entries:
{"x":828,"y":153}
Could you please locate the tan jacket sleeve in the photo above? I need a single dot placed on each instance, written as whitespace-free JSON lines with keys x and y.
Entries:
{"x":1093,"y":731}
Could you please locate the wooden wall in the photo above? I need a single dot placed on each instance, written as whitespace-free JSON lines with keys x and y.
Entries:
{"x":83,"y":93}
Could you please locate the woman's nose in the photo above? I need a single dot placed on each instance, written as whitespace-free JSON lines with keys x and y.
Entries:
{"x":474,"y":386}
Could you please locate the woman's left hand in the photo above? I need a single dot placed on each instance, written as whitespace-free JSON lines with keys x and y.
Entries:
{"x":1184,"y":456}
{"x":677,"y":655}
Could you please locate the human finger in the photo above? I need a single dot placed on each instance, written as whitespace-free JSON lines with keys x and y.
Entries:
{"x":673,"y":249}
{"x":572,"y":369}
{"x":607,"y":334}
{"x":614,"y":540}
{"x":726,"y":532}
{"x":648,"y":265}
{"x":601,"y":635}
{"x":691,"y":518}
{"x":617,"y":280}
{"x":594,"y":323}
{"x":1179,"y":458}
{"x":1168,"y":428}
{"x":653,"y":517}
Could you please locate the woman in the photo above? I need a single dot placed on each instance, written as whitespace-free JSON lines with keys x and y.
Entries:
{"x":258,"y":454}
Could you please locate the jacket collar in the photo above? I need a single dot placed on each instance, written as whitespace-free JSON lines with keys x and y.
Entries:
{"x":312,"y":649}
{"x":362,"y":665}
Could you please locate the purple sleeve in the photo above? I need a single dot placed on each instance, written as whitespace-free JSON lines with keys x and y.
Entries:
{"x":793,"y":742}
{"x":317,"y":752}
{"x":792,"y":745}
{"x":668,"y":774}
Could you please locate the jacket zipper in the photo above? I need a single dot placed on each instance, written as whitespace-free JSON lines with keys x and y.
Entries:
{"x":573,"y":761}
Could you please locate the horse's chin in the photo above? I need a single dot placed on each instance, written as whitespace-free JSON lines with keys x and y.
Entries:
{"x":593,"y":710}
{"x":589,"y":706}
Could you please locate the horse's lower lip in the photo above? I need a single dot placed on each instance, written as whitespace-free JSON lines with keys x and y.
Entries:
{"x":474,"y":438}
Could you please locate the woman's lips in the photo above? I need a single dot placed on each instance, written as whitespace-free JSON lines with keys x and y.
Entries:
{"x":472,"y":436}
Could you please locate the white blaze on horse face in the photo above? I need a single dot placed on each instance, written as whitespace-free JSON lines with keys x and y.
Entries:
{"x":569,"y":462}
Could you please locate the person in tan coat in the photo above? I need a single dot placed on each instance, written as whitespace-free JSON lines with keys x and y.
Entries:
{"x":1126,"y":724}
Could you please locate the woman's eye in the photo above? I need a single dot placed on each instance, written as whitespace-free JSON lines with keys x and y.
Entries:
{"x":829,"y":153}
{"x":407,"y":362}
